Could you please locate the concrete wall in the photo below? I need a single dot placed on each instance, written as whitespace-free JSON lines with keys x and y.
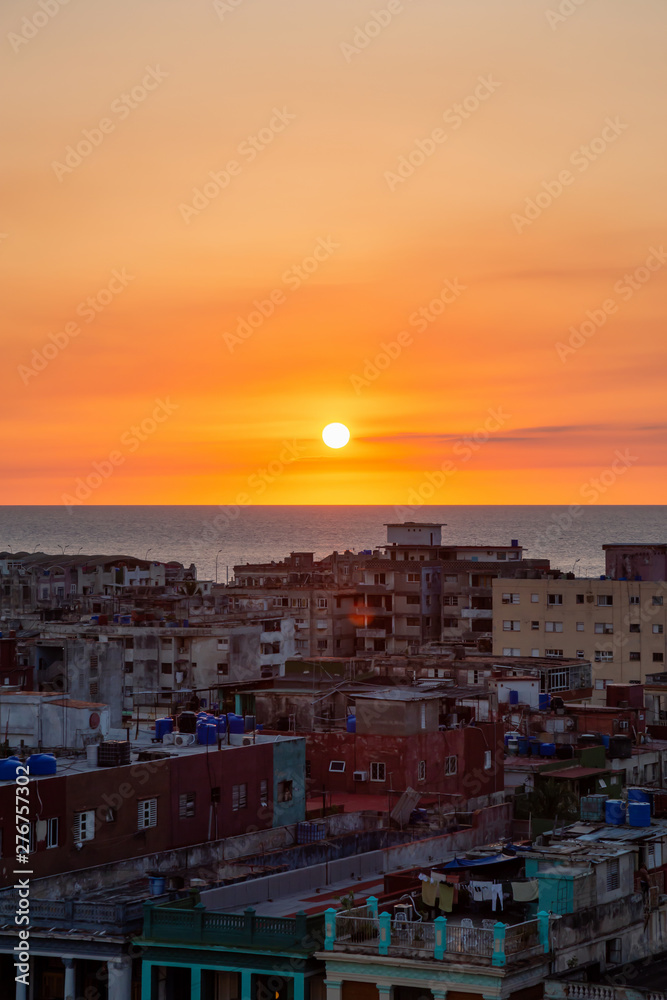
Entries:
{"x":289,"y":765}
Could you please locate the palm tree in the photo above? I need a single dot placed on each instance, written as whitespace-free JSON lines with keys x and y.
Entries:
{"x":553,"y":799}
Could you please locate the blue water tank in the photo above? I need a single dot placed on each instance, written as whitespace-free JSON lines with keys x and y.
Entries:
{"x":222,"y":724}
{"x":249,"y":723}
{"x":524,"y":746}
{"x":259,"y":728}
{"x":95,"y":619}
{"x":163,"y":726}
{"x":41,"y":763}
{"x":535,"y":745}
{"x":351,"y":724}
{"x":548,"y":750}
{"x":236,"y":723}
{"x":605,"y":740}
{"x":206,"y":734}
{"x":514,"y":697}
{"x":638,"y":795}
{"x":614,"y":812}
{"x":116,"y":619}
{"x":186,"y":623}
{"x":8,"y":768}
{"x":639,"y":813}
{"x":544,"y":700}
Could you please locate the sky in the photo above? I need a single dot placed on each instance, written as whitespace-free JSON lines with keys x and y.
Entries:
{"x":227,"y":224}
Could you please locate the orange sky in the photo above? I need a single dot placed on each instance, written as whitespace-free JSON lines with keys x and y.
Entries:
{"x":335,"y":114}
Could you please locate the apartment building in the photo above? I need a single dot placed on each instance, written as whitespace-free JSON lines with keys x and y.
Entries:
{"x":619,"y":625}
{"x":134,"y":667}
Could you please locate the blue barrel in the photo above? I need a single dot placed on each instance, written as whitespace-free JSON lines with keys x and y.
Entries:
{"x":524,"y":746}
{"x":605,"y":740}
{"x":638,"y":795}
{"x":205,"y":732}
{"x":639,"y":813}
{"x":41,"y":763}
{"x":614,"y":812}
{"x":259,"y":728}
{"x":163,"y":726}
{"x":514,"y":697}
{"x":548,"y":750}
{"x":222,"y":724}
{"x":351,"y":724}
{"x":156,"y":885}
{"x":249,"y":723}
{"x":8,"y":768}
{"x":535,"y":745}
{"x":544,"y":700}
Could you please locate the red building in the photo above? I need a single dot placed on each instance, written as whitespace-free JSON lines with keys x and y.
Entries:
{"x":11,"y":673}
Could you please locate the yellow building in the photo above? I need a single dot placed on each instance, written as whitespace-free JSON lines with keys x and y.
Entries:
{"x":619,"y":625}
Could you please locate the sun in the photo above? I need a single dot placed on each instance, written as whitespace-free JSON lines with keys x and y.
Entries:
{"x":335,"y":435}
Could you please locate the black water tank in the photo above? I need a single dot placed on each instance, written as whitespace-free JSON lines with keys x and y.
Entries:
{"x":187,"y":722}
{"x":620,"y":747}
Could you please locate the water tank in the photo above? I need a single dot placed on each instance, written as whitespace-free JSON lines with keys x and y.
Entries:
{"x":544,"y":700}
{"x":351,"y":724}
{"x":41,"y":763}
{"x":236,"y":723}
{"x":513,"y":746}
{"x":249,"y":723}
{"x":163,"y":726}
{"x":222,"y":724}
{"x":548,"y":750}
{"x":259,"y":728}
{"x":511,"y":736}
{"x":91,"y":755}
{"x":514,"y":697}
{"x":187,"y":722}
{"x":8,"y":768}
{"x":605,"y":740}
{"x":564,"y":751}
{"x":589,"y":740}
{"x":524,"y":745}
{"x":207,"y":734}
{"x":535,"y":745}
{"x":94,"y":619}
{"x":620,"y":747}
{"x":639,"y":813}
{"x":614,"y":812}
{"x":638,"y":795}
{"x":156,"y":885}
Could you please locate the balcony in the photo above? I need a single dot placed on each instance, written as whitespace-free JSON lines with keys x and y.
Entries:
{"x":192,"y":924}
{"x":68,"y":914}
{"x":371,"y":633}
{"x":476,"y":612}
{"x":362,"y":930}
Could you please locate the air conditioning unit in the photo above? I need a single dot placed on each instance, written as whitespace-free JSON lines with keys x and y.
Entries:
{"x":169,"y":738}
{"x":360,"y":776}
{"x":247,"y":741}
{"x":183,"y":739}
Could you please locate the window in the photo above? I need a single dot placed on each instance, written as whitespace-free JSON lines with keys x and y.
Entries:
{"x":52,"y":832}
{"x":284,"y":791}
{"x":605,"y":600}
{"x":534,"y":626}
{"x":267,"y":648}
{"x":239,"y":797}
{"x":635,"y":656}
{"x":84,"y":826}
{"x":322,"y":602}
{"x":658,"y":629}
{"x":658,"y":657}
{"x":223,"y":643}
{"x":656,"y":601}
{"x":510,"y":598}
{"x":534,"y":598}
{"x":421,"y":770}
{"x":448,"y":601}
{"x":309,"y":768}
{"x":450,"y":623}
{"x":322,"y":644}
{"x":511,"y":626}
{"x":223,"y":669}
{"x":451,"y":765}
{"x":553,"y":626}
{"x":558,"y":680}
{"x":412,"y":622}
{"x":129,"y":668}
{"x":337,"y":766}
{"x":634,"y":599}
{"x":264,"y":789}
{"x":166,"y":668}
{"x":414,"y":599}
{"x":414,"y":578}
{"x":186,"y":805}
{"x":604,"y":628}
{"x":634,"y":627}
{"x":614,"y":951}
{"x":381,"y":578}
{"x":147,"y":813}
{"x":604,"y":656}
{"x":601,"y":683}
{"x":554,"y":598}
{"x":534,"y":652}
{"x":580,"y":626}
{"x":579,"y":599}
{"x":612,"y":874}
{"x":377,"y":771}
{"x":511,"y":651}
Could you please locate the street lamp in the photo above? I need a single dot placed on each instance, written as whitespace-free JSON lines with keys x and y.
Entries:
{"x":62,"y":548}
{"x":216,"y":564}
{"x":146,"y":556}
{"x":575,"y":563}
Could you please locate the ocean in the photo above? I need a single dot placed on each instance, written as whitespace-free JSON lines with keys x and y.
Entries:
{"x":571,"y":538}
